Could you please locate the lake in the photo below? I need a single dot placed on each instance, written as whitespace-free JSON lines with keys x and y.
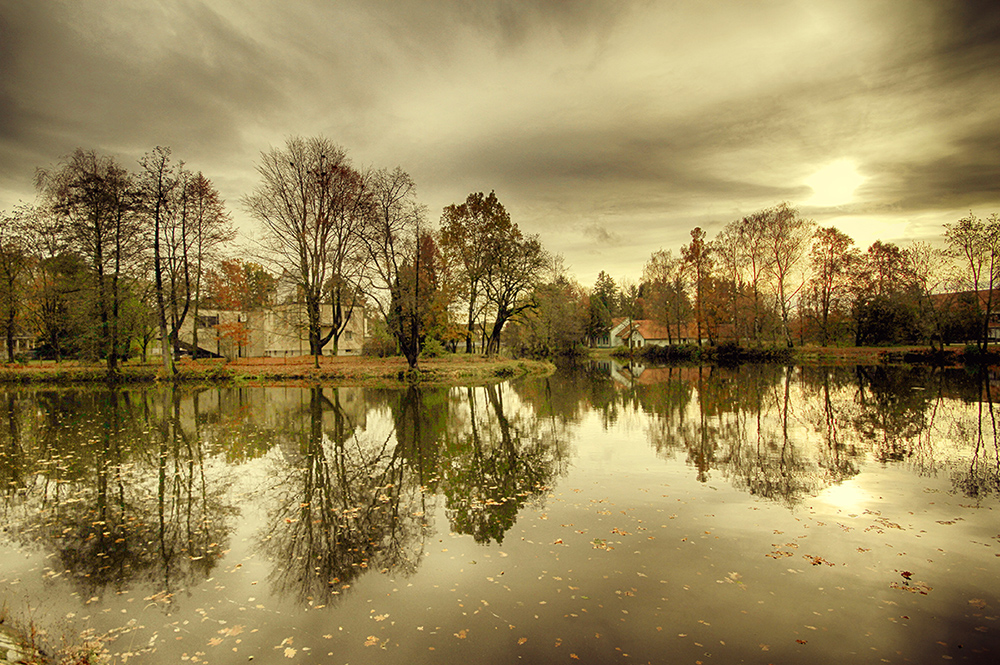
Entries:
{"x":605,"y":514}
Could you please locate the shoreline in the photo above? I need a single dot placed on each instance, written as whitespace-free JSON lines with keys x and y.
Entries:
{"x":453,"y":369}
{"x":344,"y":370}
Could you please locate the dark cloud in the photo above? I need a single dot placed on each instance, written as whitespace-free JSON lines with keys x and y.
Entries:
{"x":610,"y":128}
{"x":968,"y":176}
{"x":968,"y":42}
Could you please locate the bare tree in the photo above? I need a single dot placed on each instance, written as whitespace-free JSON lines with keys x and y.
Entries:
{"x":211,"y":227}
{"x":975,"y":243}
{"x":160,"y":182}
{"x":391,"y":239}
{"x":787,"y":241}
{"x":667,"y":299}
{"x":928,"y":266}
{"x":312,"y":205}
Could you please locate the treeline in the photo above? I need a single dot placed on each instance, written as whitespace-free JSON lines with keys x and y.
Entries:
{"x":109,"y":260}
{"x":776,"y":279}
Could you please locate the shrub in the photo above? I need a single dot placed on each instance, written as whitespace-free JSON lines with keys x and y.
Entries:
{"x":379,"y":346}
{"x":432,"y":348}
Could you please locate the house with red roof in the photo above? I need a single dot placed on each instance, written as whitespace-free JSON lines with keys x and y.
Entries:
{"x":637,"y":333}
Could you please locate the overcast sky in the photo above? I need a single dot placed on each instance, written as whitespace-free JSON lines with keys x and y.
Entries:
{"x":609,"y":128}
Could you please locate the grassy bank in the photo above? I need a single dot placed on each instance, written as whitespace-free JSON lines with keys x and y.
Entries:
{"x":454,"y":369}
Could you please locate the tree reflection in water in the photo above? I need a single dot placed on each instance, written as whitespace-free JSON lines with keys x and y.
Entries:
{"x":136,"y":486}
{"x":344,"y":502}
{"x":981,"y":477}
{"x":785,"y":433}
{"x":349,"y":499}
{"x":497,"y":460}
{"x":113,"y":483}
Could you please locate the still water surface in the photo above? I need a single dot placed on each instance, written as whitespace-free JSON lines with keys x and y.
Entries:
{"x":758,"y":515}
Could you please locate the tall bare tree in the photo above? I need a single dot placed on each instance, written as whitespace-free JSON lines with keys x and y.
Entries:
{"x":787,"y":241}
{"x":975,"y":243}
{"x":312,"y":205}
{"x":160,"y":182}
{"x":391,"y":240}
{"x":211,"y":227}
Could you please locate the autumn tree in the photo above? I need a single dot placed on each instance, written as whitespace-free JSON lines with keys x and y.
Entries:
{"x":557,"y":323}
{"x":238,"y":286}
{"x":13,"y":268}
{"x":97,"y":201}
{"x":313,"y":205}
{"x":516,"y":264}
{"x":437,"y":289}
{"x":667,"y":300}
{"x":884,"y":296}
{"x":831,"y":260}
{"x":464,"y":228}
{"x":699,"y":261}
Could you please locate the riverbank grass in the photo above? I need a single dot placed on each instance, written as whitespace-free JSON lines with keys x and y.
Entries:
{"x":349,"y":370}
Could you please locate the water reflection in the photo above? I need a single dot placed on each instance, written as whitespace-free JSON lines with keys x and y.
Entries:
{"x":114,"y":485}
{"x":785,"y":433}
{"x":342,"y":502}
{"x":143,"y":486}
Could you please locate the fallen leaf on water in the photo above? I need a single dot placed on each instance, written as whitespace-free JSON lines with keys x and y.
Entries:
{"x":371,"y":641}
{"x":289,"y":652}
{"x":462,"y":634}
{"x":522,"y":640}
{"x":801,"y":641}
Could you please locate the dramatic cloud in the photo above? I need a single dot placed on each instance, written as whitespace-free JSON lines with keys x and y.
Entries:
{"x":609,"y":128}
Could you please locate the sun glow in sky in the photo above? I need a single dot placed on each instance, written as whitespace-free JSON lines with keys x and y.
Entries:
{"x":834,"y":184}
